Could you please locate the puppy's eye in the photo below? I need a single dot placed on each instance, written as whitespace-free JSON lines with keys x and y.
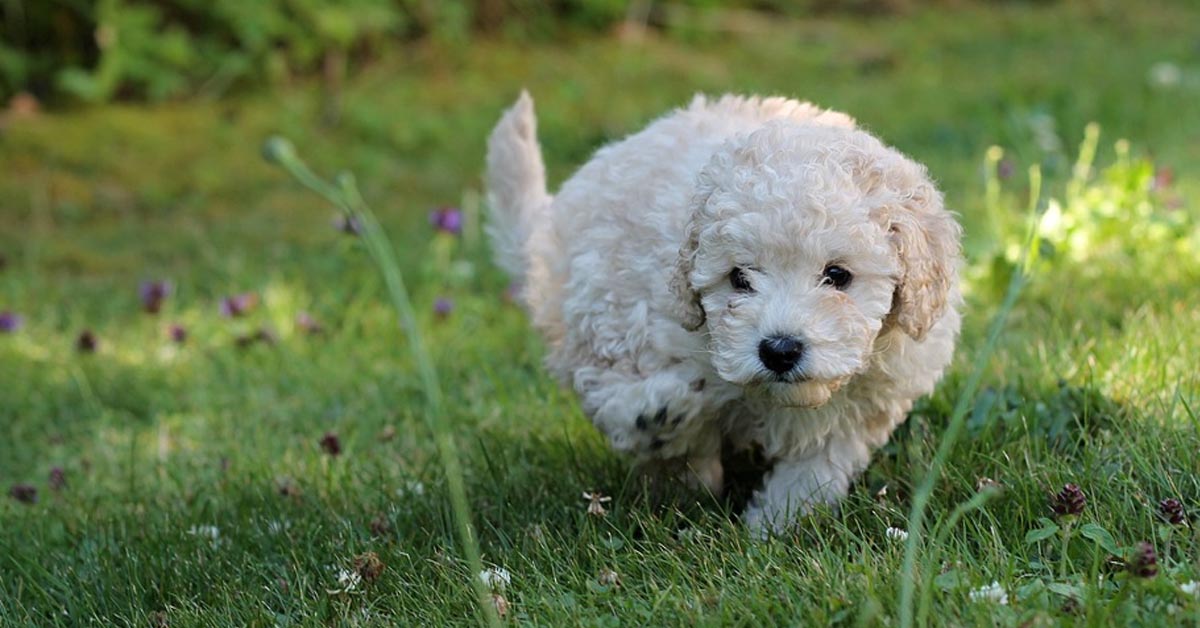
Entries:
{"x":739,"y":280}
{"x":836,"y":276}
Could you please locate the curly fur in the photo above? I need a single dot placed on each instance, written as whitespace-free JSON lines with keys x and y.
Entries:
{"x":626,"y":274}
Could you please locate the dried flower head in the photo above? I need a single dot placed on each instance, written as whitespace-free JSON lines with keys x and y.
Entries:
{"x":10,"y":322}
{"x":287,"y":487}
{"x":238,"y":304}
{"x":500,"y":605}
{"x":153,"y":293}
{"x":387,"y":433}
{"x":368,"y":566}
{"x":380,"y":526}
{"x":331,"y":444}
{"x":58,"y":479}
{"x":596,"y":501}
{"x":1069,"y":501}
{"x":87,"y":342}
{"x":24,"y":493}
{"x":609,"y":578}
{"x":1172,"y":512}
{"x":1144,"y":562}
{"x":447,"y":220}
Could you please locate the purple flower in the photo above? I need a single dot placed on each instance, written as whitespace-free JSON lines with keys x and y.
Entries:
{"x":178,"y":333}
{"x":1172,"y":511}
{"x":87,"y":342}
{"x":512,"y":294}
{"x":1163,"y":178}
{"x":1144,"y":563}
{"x":1069,"y":502}
{"x":347,"y":225}
{"x":238,"y":304}
{"x":58,"y":479}
{"x":10,"y":322}
{"x":307,"y":324}
{"x":153,"y":294}
{"x":24,"y":493}
{"x":442,"y":307}
{"x":1005,"y":169}
{"x":264,"y":335}
{"x":447,"y":219}
{"x":331,"y":444}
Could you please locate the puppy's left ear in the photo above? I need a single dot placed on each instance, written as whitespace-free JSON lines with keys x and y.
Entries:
{"x":687,"y":307}
{"x":927,"y":240}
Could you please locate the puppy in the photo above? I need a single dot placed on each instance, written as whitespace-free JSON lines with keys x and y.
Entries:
{"x":754,"y":272}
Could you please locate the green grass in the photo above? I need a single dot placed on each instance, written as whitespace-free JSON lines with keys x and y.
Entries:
{"x":1094,"y":380}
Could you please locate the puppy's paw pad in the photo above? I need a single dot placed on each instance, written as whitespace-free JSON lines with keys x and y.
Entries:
{"x":654,"y":421}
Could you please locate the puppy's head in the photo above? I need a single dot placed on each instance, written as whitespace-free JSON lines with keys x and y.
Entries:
{"x":805,"y":244}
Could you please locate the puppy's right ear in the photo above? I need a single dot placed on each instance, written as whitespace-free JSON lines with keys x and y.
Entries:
{"x":688,"y":308}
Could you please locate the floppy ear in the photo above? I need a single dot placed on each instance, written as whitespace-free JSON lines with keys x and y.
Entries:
{"x":687,"y":307}
{"x":926,"y":239}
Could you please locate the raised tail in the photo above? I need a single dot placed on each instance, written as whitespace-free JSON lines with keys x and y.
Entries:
{"x":516,"y":187}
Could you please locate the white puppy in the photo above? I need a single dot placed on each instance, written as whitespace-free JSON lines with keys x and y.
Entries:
{"x":745,"y":271}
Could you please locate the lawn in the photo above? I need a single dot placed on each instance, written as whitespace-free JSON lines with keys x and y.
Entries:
{"x":241,"y":476}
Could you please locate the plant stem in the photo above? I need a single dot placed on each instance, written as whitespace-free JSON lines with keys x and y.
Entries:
{"x":345,"y":196}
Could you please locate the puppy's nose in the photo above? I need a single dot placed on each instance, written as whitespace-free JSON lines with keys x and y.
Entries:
{"x":780,"y":353}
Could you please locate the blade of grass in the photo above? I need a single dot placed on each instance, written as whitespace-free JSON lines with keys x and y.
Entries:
{"x":344,"y":194}
{"x":924,"y":492}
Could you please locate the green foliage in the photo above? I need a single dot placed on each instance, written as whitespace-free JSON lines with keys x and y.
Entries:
{"x":97,"y":50}
{"x":1123,"y":223}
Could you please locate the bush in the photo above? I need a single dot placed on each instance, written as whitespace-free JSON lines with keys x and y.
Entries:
{"x":98,"y":50}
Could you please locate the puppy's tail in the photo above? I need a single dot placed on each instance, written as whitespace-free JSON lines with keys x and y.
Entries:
{"x":516,"y":187}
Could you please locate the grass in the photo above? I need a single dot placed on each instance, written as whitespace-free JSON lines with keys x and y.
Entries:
{"x":1093,"y":380}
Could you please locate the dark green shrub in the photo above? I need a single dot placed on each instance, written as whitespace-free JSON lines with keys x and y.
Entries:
{"x":98,"y":50}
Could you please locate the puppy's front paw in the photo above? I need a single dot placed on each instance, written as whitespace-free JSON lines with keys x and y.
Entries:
{"x":654,"y":418}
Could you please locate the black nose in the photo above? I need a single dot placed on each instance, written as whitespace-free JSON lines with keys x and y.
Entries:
{"x":780,"y":353}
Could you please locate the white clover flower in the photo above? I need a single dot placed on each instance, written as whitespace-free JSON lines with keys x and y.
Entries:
{"x":277,"y":526}
{"x":212,"y":533}
{"x":1165,"y":74}
{"x":411,"y":488}
{"x":348,"y":581}
{"x":896,"y":534}
{"x":1190,"y":588}
{"x":496,"y":578}
{"x":990,"y":593}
